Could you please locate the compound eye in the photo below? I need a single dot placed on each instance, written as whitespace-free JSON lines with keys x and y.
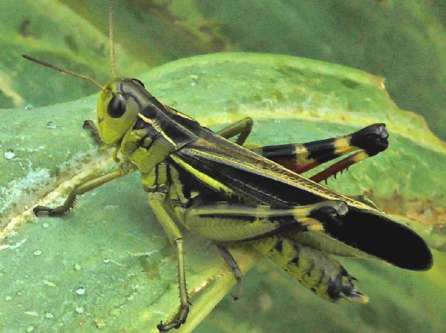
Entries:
{"x":117,"y":106}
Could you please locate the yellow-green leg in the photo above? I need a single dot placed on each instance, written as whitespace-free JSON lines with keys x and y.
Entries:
{"x":242,"y":128}
{"x":81,"y":189}
{"x":157,"y":202}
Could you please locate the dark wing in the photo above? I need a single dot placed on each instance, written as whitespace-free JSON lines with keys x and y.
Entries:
{"x":260,"y":180}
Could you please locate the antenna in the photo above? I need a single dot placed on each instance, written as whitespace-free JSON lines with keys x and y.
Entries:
{"x":111,"y":40}
{"x":63,"y":70}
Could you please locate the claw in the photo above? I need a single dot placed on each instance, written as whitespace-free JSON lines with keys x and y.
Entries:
{"x":167,"y":327}
{"x":160,"y":327}
{"x":41,"y":210}
{"x":47,"y":211}
{"x":355,"y":296}
{"x":176,"y":323}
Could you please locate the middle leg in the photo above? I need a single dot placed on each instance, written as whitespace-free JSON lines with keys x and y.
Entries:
{"x":242,"y":128}
{"x":232,"y":263}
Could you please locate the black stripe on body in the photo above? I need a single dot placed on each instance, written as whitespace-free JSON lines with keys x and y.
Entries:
{"x":288,"y":150}
{"x":295,"y":260}
{"x":176,"y":132}
{"x":139,"y":124}
{"x":279,"y":245}
{"x":242,"y":218}
{"x":149,"y":111}
{"x":191,"y":184}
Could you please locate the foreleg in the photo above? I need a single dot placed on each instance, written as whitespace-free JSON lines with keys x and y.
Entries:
{"x":81,"y":189}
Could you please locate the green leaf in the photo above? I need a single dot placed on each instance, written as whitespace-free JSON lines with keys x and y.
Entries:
{"x":108,"y":265}
{"x":50,"y":31}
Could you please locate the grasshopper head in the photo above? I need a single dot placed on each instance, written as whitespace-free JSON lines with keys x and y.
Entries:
{"x":117,"y":108}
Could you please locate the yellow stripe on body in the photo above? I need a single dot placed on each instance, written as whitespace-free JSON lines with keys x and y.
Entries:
{"x":208,"y":180}
{"x":300,"y":213}
{"x":157,"y":127}
{"x":147,"y":120}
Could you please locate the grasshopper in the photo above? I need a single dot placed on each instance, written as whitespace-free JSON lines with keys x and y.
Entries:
{"x":233,"y":195}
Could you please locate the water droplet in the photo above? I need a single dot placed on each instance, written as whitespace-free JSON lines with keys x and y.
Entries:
{"x":37,"y":252}
{"x":80,"y":291}
{"x":9,"y":154}
{"x":8,"y":298}
{"x":45,"y":225}
{"x":51,"y":125}
{"x":79,"y":309}
{"x":29,"y":329}
{"x":77,"y":267}
{"x":29,"y":107}
{"x":49,"y":315}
